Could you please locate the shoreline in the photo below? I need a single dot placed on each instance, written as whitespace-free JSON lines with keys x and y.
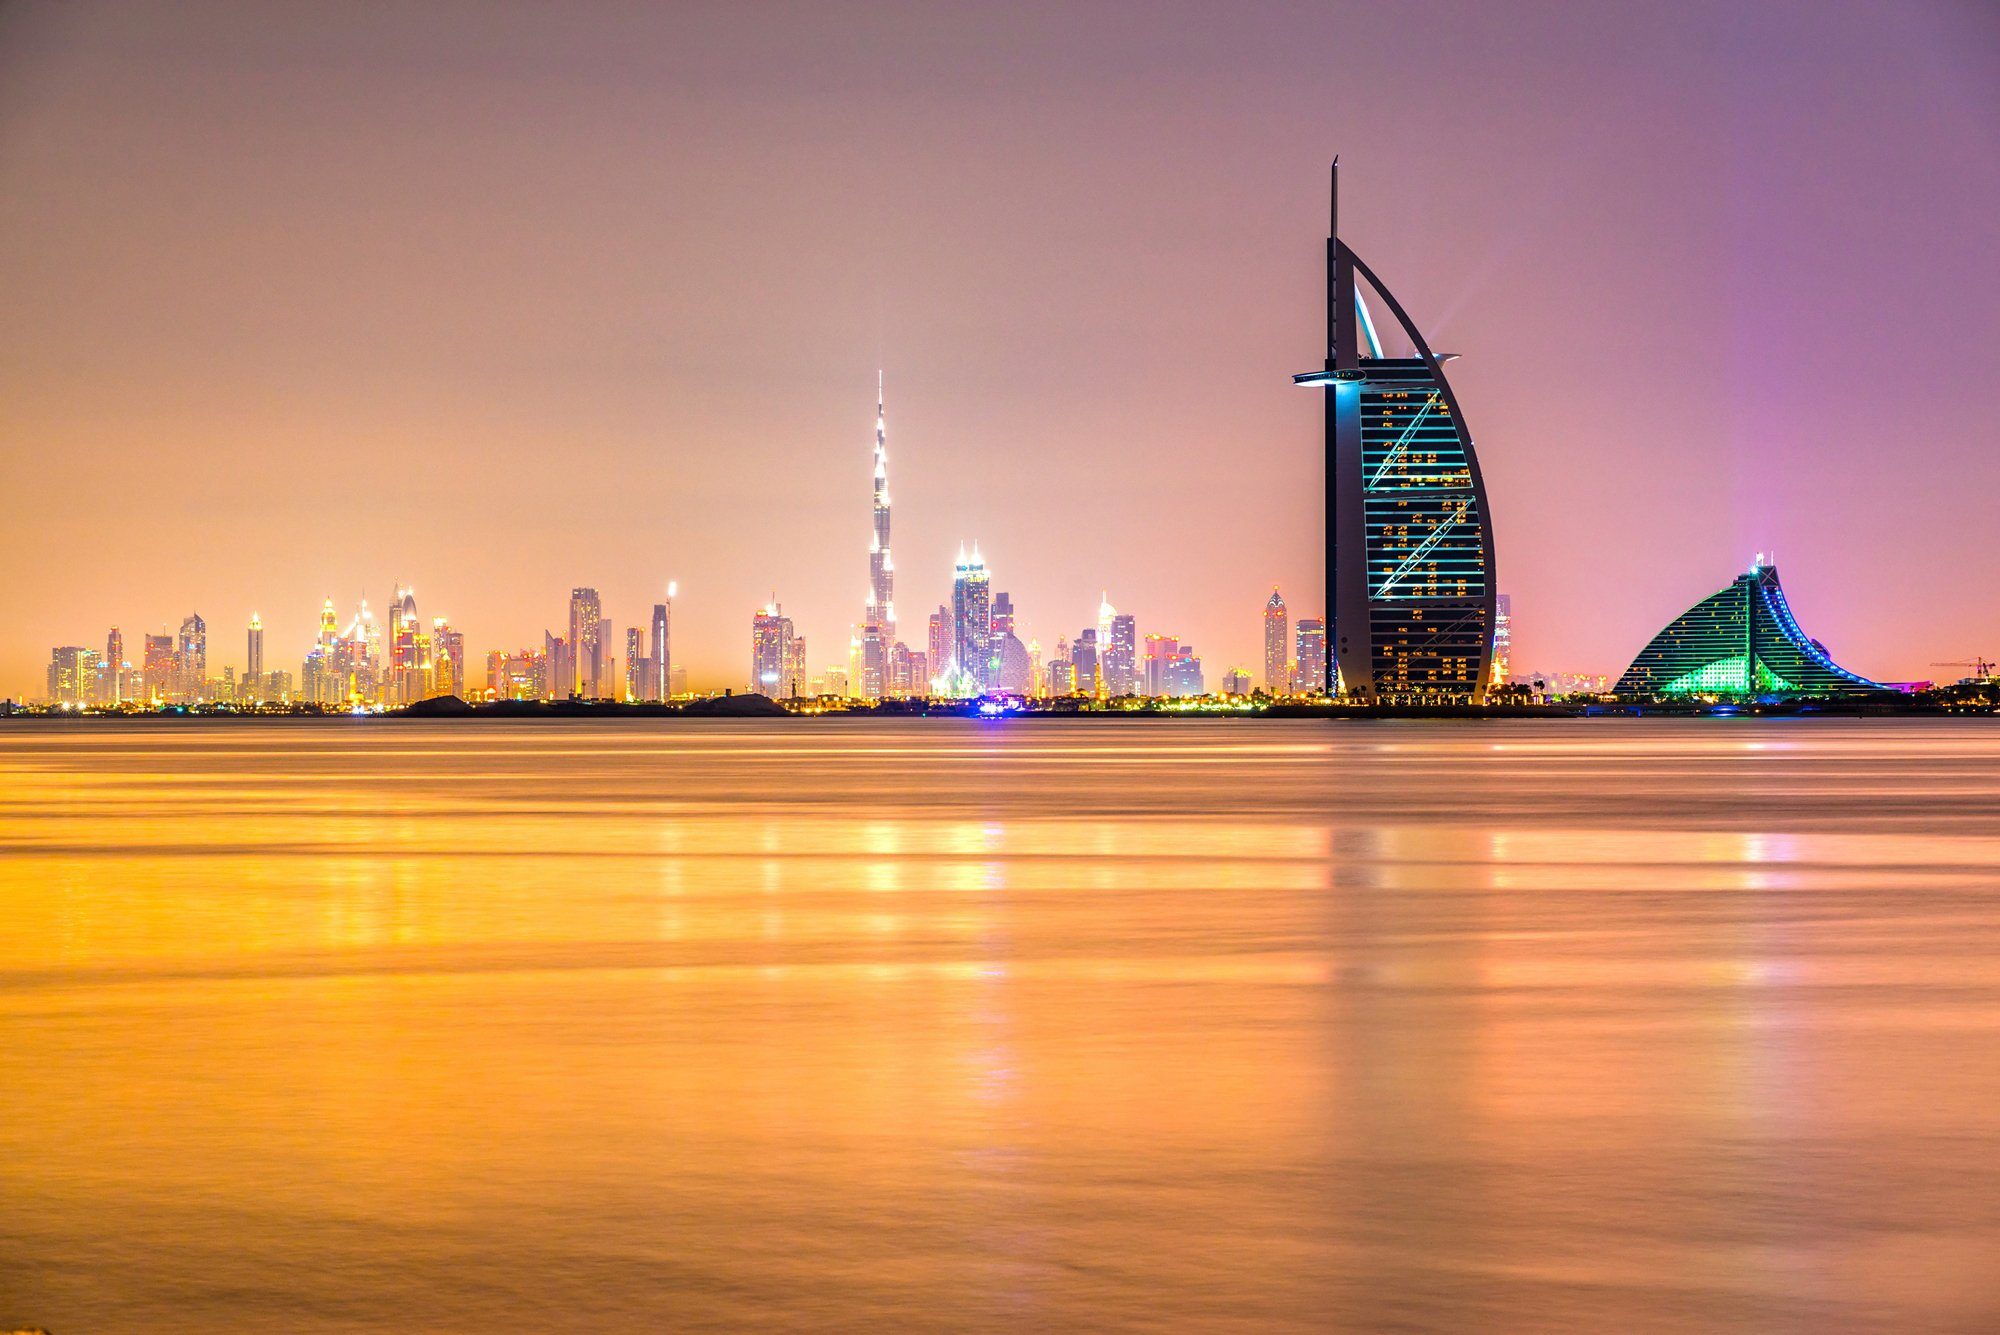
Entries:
{"x":754,"y":708}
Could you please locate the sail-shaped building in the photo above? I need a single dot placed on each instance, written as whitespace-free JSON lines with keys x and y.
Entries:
{"x":1741,"y":643}
{"x":1410,"y":569}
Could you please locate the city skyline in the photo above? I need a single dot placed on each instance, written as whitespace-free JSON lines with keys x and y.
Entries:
{"x":252,"y":359}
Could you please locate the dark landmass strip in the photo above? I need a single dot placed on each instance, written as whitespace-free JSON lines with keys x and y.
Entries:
{"x":1957,"y":701}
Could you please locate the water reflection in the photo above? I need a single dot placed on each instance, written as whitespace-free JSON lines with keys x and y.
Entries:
{"x":1183,"y":1024}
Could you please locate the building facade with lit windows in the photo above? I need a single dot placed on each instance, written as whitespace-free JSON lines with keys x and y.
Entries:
{"x":1277,"y":630}
{"x":972,"y":668}
{"x":1740,"y":643}
{"x":1310,"y":655}
{"x":586,"y":647}
{"x":772,"y":653}
{"x":1410,"y":562}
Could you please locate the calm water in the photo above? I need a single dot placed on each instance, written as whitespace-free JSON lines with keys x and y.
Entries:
{"x":369,"y":1025}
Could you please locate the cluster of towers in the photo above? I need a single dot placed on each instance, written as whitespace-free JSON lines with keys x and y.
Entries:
{"x":362,"y":665}
{"x":586,"y":661}
{"x":974,"y":647}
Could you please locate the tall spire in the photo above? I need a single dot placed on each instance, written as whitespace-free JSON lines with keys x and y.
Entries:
{"x":878,"y":626}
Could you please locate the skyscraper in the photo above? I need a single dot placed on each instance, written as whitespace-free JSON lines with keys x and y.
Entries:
{"x":878,"y":622}
{"x":663,"y":654}
{"x":938,"y":658}
{"x":72,"y":675}
{"x":1277,"y":636}
{"x":1410,"y":565}
{"x":447,"y":659}
{"x":585,"y":645}
{"x":114,"y":669}
{"x":158,"y":667}
{"x":773,"y":671}
{"x":1503,"y":639}
{"x":1119,"y":660}
{"x":1083,"y":663}
{"x":637,"y":669}
{"x":253,"y":661}
{"x":972,"y":622}
{"x":192,"y":657}
{"x":1311,"y":655}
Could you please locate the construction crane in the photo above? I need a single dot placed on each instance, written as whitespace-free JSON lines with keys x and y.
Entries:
{"x":1980,"y":667}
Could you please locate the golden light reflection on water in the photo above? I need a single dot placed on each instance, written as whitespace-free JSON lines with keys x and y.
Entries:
{"x":1236,"y":1025}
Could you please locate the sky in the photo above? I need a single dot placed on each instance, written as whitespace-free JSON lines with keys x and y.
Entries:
{"x":499,"y":299}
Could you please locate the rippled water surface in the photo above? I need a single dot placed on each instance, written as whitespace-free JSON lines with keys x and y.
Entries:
{"x":1610,"y":1025}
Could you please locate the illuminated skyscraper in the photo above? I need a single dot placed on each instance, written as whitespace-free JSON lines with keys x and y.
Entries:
{"x":1277,"y":645}
{"x":253,"y":662}
{"x":772,"y":653}
{"x":1083,"y":663}
{"x":1119,"y":659}
{"x":1311,"y":656}
{"x":72,"y":675}
{"x":1410,"y":564}
{"x":661,"y":664}
{"x":585,"y":645}
{"x":972,"y":623}
{"x":113,"y":690}
{"x":878,"y":621}
{"x":940,"y":655}
{"x":1503,"y":639}
{"x":158,"y":665}
{"x":1159,"y":655}
{"x":192,"y":657}
{"x":638,"y":669}
{"x":329,"y":624}
{"x":447,"y":657}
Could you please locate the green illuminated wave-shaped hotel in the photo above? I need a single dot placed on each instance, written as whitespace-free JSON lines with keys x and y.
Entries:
{"x":1740,"y":643}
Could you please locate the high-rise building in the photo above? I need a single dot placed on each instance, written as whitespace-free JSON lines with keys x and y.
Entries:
{"x":192,"y":650}
{"x":1182,"y":677}
{"x":560,"y":670}
{"x":585,"y":643}
{"x":253,"y":662}
{"x":637,"y":667}
{"x":772,"y":653}
{"x":1062,"y":675}
{"x":518,"y":676}
{"x":113,"y":689}
{"x":447,"y":658}
{"x":1277,"y":644}
{"x":795,"y":666}
{"x":973,"y":663}
{"x":72,"y":675}
{"x":940,"y":652}
{"x":1160,"y":649}
{"x":1410,"y":565}
{"x":1503,"y":639}
{"x":1120,"y":657}
{"x":1741,"y":642}
{"x":159,"y":668}
{"x":877,"y":633}
{"x":1236,"y":682}
{"x":1311,"y":679}
{"x":329,"y":624}
{"x":1084,"y":665}
{"x":661,"y":664}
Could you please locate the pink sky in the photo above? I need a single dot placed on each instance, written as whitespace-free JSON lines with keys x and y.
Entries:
{"x":497,"y":300}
